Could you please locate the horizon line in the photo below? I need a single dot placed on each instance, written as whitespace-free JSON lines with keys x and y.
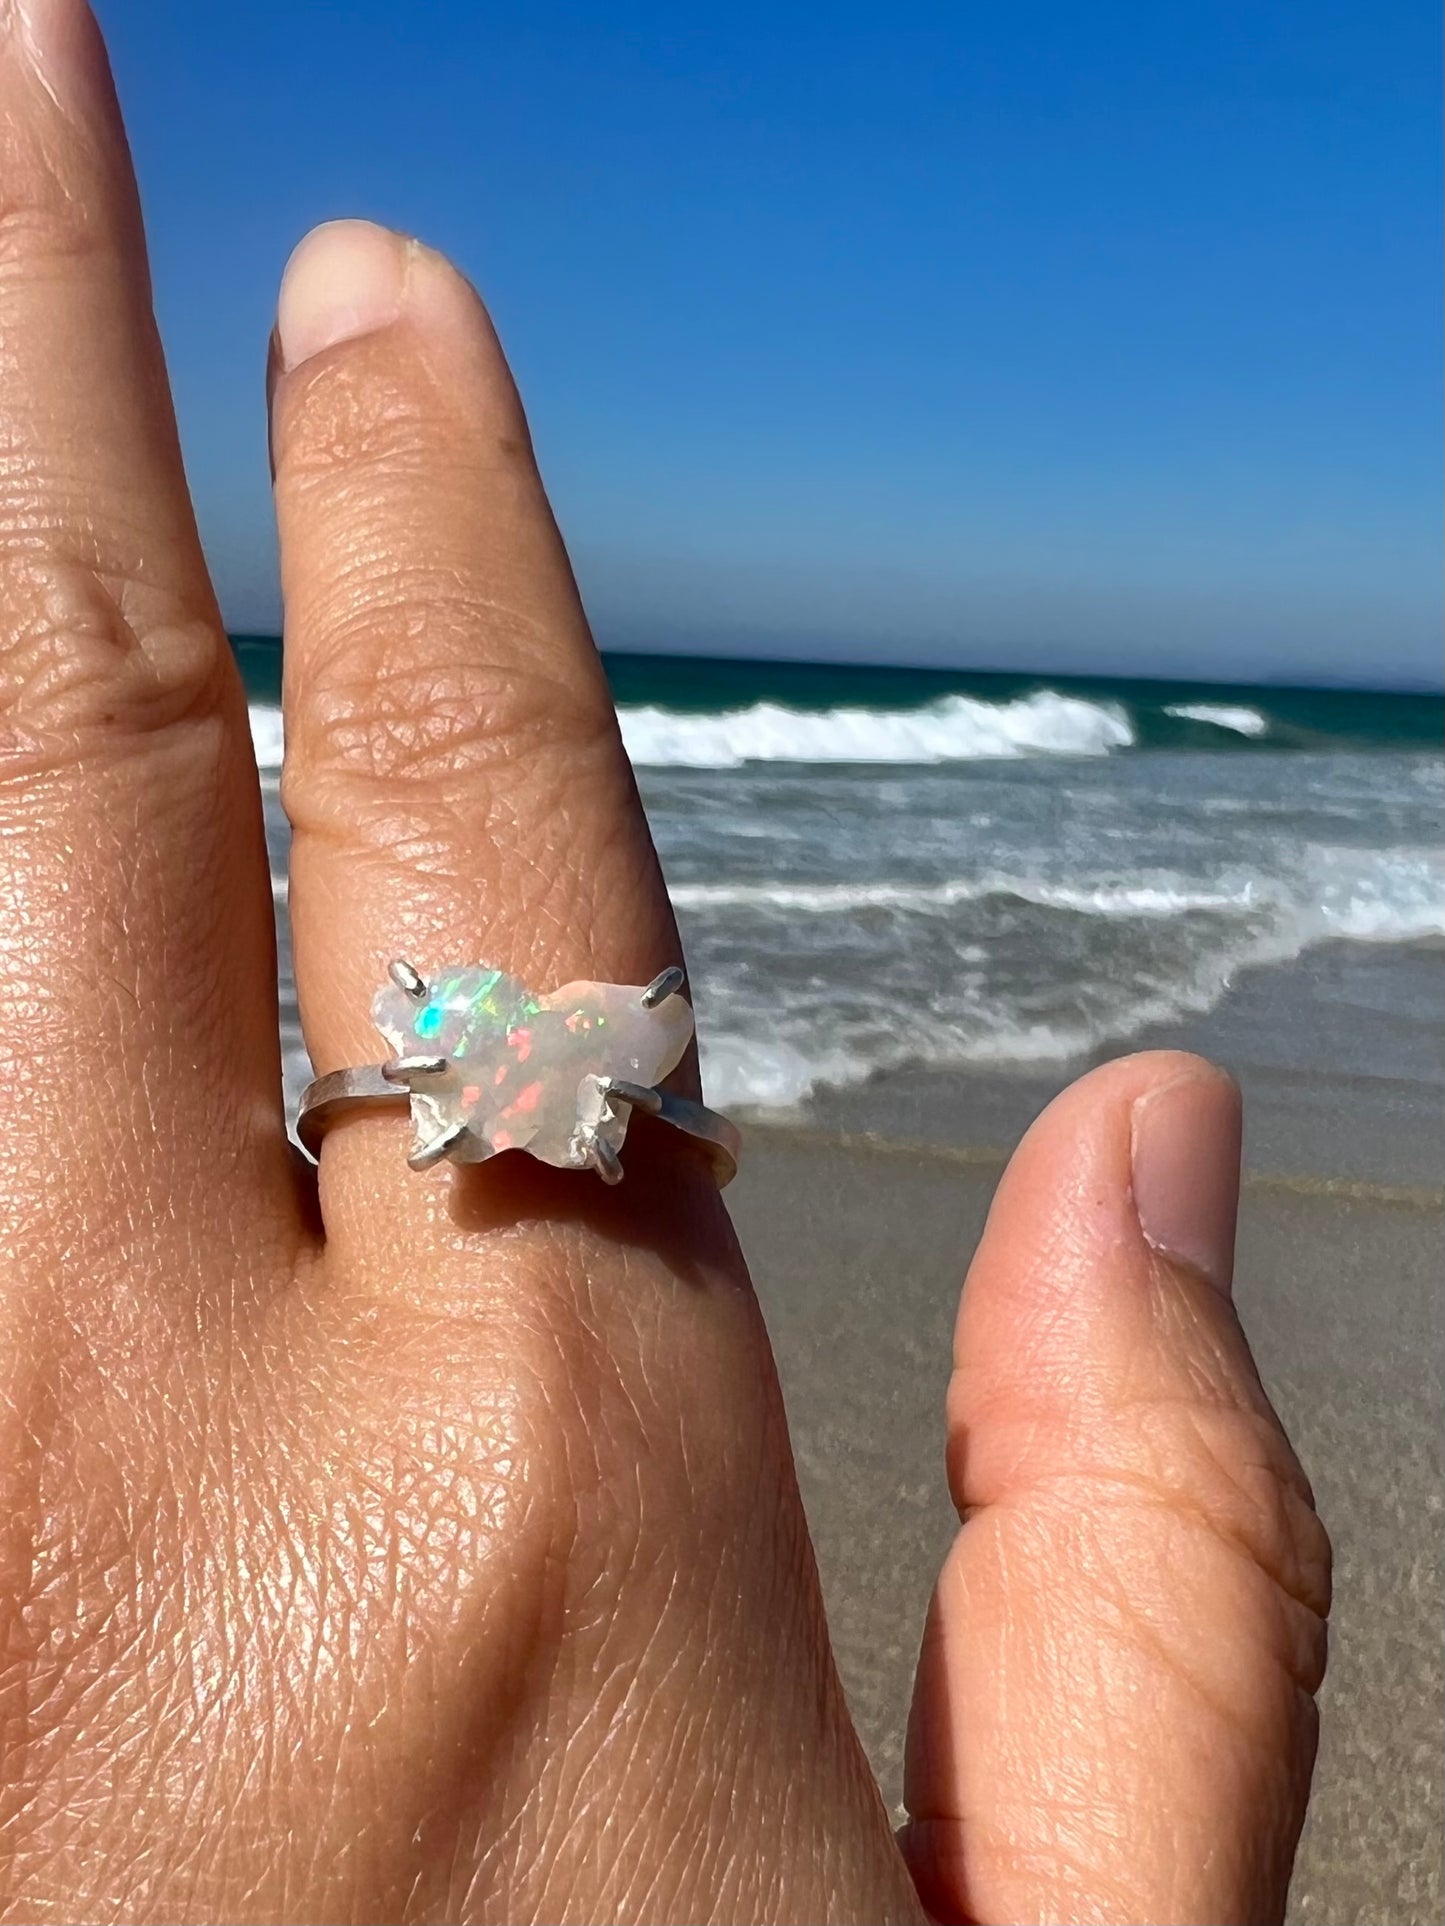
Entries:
{"x":941,"y":672}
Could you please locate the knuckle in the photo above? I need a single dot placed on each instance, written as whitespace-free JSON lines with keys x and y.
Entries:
{"x":396,"y":706}
{"x":350,"y":417}
{"x":43,"y":221}
{"x":46,"y":231}
{"x":80,"y":672}
{"x":371,"y":420}
{"x":1215,"y":1488}
{"x":1232,"y":1466}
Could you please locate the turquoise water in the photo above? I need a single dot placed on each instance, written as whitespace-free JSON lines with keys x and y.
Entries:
{"x":876,"y":869}
{"x":1295,"y":718}
{"x":699,"y":685}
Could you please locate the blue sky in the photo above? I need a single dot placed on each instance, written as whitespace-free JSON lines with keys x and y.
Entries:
{"x":1088,"y":336}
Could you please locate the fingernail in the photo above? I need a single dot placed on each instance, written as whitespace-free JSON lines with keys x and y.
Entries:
{"x":1185,"y":1155}
{"x":345,"y":279}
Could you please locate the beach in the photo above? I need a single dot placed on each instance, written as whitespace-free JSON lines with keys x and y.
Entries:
{"x":858,"y":1247}
{"x":913,"y":906}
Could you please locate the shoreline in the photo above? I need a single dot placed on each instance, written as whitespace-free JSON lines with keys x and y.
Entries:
{"x":1339,"y":1055}
{"x":858,"y":1215}
{"x":993,"y":1157}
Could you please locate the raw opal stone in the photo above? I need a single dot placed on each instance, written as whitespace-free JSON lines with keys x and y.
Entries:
{"x":519,"y":1066}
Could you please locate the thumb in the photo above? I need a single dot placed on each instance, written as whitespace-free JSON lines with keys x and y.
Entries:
{"x":1114,"y":1718}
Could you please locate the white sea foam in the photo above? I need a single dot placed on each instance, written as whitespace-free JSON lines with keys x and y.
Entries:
{"x":770,"y":1074}
{"x":1164,"y":898}
{"x":1386,"y":896}
{"x":1040,"y":920}
{"x":956,"y":728}
{"x":1394,"y":896}
{"x":1223,"y":715}
{"x":1336,"y":894}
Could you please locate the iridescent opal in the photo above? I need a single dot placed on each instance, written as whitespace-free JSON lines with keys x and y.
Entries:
{"x":522,"y":1070}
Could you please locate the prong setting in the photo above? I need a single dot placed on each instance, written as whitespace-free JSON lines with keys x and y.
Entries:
{"x":557,"y":1073}
{"x":408,"y":980}
{"x":432,"y":1153}
{"x":485,"y":1065}
{"x":663,"y":986}
{"x":603,"y":1159}
{"x":403,"y":1069}
{"x":637,"y":1096}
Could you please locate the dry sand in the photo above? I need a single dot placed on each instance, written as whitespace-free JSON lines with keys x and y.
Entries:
{"x":858,"y":1252}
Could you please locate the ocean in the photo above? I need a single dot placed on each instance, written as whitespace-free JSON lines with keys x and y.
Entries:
{"x":878,"y":870}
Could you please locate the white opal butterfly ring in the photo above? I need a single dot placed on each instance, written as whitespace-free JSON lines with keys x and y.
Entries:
{"x":486,"y":1065}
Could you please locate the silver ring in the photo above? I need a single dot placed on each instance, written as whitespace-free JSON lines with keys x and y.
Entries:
{"x":484,"y":1065}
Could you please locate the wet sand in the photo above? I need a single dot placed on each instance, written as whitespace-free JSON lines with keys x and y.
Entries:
{"x":858,"y":1249}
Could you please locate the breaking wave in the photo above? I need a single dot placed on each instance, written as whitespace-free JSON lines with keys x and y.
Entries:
{"x":971,"y":1017}
{"x":839,"y":926}
{"x":1221,"y":715}
{"x":956,"y":728}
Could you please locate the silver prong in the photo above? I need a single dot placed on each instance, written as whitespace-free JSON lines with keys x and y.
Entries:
{"x":403,"y":1069}
{"x":604,"y":1160}
{"x":662,"y":987}
{"x":408,"y":979}
{"x":639,"y":1096}
{"x":438,"y":1148}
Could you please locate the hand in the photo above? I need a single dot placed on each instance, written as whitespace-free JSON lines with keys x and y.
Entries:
{"x":427,"y":1547}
